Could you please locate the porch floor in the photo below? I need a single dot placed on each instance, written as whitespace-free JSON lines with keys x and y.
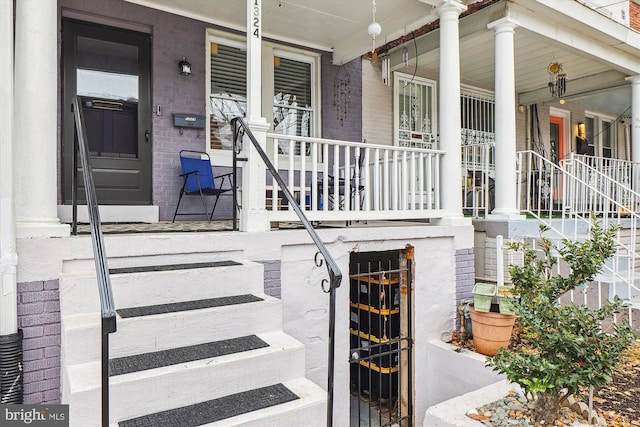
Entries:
{"x":224,"y":225}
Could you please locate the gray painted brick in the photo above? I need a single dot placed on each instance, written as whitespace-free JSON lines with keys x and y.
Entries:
{"x":31,"y":308}
{"x":51,"y":285}
{"x":52,"y":306}
{"x":52,"y":352}
{"x":51,"y":397}
{"x":42,"y":342}
{"x":32,"y":332}
{"x":49,"y":295}
{"x":30,"y":377}
{"x":41,"y":364}
{"x":39,"y":319}
{"x":33,"y":398}
{"x":53,"y":329}
{"x":30,"y":287}
{"x":36,"y":354}
{"x":51,"y":384}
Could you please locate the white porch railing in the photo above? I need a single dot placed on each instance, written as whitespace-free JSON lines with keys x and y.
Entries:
{"x":564,"y":197}
{"x":618,"y":178}
{"x":350,"y":181}
{"x":478,"y":172}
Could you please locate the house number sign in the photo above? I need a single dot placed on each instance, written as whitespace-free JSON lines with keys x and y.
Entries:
{"x":256,"y":18}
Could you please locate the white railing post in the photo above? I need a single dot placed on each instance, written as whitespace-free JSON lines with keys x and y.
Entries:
{"x":499,"y":260}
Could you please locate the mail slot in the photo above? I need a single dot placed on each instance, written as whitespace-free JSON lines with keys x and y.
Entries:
{"x":188,"y":121}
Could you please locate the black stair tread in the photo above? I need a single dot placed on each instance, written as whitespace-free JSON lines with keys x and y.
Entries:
{"x":216,"y":409}
{"x":170,"y":267}
{"x":187,"y":305}
{"x":157,"y":359}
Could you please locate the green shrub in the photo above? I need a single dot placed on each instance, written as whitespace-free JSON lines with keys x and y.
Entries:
{"x":565,"y":347}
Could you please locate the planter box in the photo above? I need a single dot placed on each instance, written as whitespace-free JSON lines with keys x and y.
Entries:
{"x":483,"y":294}
{"x":505,"y":299}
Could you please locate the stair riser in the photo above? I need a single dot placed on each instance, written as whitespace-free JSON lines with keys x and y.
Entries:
{"x":186,"y":384}
{"x":79,"y":293}
{"x":160,"y":332}
{"x":307,"y":415}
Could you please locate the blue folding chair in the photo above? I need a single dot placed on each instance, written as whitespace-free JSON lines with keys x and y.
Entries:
{"x":199,"y":180}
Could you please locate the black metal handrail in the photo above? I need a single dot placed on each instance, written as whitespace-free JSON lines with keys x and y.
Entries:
{"x":107,"y":306}
{"x":240,"y":128}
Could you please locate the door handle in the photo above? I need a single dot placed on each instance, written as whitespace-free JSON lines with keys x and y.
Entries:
{"x":146,"y":136}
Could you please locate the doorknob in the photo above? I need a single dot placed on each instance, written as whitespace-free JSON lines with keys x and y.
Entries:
{"x":146,"y":136}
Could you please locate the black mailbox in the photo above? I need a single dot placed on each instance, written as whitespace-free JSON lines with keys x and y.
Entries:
{"x":188,"y":121}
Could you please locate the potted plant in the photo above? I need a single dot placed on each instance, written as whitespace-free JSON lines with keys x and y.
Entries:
{"x":565,"y":346}
{"x":491,"y":330}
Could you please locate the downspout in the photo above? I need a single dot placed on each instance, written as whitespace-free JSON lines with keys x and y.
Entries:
{"x":10,"y":337}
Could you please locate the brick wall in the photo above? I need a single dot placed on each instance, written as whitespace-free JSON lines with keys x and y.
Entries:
{"x":377,"y":105}
{"x":272,"y":285}
{"x":465,"y":274}
{"x":634,"y":15}
{"x":39,"y":319}
{"x":350,"y":128}
{"x":465,"y":277}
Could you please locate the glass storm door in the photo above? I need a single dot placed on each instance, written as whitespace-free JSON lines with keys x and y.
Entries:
{"x":108,"y":69}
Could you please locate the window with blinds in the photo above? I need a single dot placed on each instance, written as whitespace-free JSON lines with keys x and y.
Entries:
{"x":292,"y":100}
{"x":228,"y":97}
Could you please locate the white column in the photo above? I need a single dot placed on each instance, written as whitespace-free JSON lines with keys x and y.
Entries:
{"x":635,"y":118}
{"x":8,"y":257}
{"x":449,"y":113}
{"x":35,"y":115}
{"x":253,"y":216}
{"x":505,"y":117}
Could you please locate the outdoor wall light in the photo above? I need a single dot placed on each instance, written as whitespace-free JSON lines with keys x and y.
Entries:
{"x":184,"y":66}
{"x":582,"y":130}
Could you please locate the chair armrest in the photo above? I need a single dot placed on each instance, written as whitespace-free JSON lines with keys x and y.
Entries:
{"x":189,"y":173}
{"x":223,"y":175}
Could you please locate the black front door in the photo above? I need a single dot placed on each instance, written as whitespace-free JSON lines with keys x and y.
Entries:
{"x":109,"y":70}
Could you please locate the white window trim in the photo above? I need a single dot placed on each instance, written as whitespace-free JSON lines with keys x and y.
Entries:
{"x":225,"y":157}
{"x":397,"y":77}
{"x":566,"y":128}
{"x":598,"y":119}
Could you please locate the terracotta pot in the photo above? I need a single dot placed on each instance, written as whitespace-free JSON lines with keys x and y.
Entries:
{"x":491,"y":331}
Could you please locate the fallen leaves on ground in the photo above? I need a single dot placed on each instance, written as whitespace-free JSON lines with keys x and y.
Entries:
{"x":619,"y":401}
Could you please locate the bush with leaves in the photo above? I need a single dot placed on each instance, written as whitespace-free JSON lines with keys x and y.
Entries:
{"x":565,"y":347}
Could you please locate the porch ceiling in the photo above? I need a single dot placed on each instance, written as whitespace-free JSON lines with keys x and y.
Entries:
{"x":596,"y":63}
{"x":331,"y":25}
{"x":596,"y":52}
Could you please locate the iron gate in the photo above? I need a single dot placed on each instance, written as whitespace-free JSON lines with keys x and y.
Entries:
{"x":381,"y":338}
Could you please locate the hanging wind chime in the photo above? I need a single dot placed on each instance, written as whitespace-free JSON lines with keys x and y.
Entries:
{"x":557,"y":80}
{"x":341,"y":94}
{"x":374,"y":30}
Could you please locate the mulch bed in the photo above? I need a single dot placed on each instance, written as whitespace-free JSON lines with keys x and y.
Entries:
{"x":619,"y":401}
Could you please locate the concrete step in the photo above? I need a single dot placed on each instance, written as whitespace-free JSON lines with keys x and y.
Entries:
{"x":154,"y":390}
{"x":140,"y":334}
{"x":294,"y":403}
{"x":142,"y":286}
{"x":309,"y":411}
